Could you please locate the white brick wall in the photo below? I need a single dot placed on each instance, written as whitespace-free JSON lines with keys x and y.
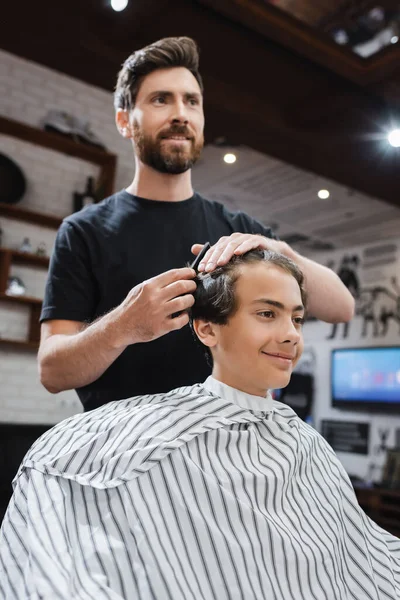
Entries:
{"x":23,"y":399}
{"x":14,"y":323}
{"x":27,"y":92}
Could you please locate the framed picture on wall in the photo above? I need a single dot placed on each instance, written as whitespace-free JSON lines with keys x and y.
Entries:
{"x":346,"y":436}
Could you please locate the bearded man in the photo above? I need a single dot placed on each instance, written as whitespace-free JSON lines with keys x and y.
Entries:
{"x":115,"y":286}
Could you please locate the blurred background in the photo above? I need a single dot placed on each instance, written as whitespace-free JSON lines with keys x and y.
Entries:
{"x":302,"y":105}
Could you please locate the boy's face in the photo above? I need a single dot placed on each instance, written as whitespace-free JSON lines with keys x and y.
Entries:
{"x":168,"y":121}
{"x":262,"y":342}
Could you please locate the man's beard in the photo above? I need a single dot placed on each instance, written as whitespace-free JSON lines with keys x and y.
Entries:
{"x":167,"y":158}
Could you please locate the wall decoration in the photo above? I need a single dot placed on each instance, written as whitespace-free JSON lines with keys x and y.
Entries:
{"x":346,"y":436}
{"x":78,"y":128}
{"x":377,"y":299}
{"x":377,"y":306}
{"x":348,"y":274}
{"x":25,"y":246}
{"x":15,"y":287}
{"x":41,"y":250}
{"x":12,"y":181}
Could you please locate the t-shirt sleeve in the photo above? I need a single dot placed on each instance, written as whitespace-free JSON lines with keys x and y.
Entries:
{"x":70,"y":291}
{"x":246,"y":224}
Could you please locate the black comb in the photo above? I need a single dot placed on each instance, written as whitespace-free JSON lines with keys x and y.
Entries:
{"x":195,"y":265}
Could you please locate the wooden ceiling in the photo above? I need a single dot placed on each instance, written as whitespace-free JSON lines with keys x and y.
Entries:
{"x":310,"y":11}
{"x":325,"y":13}
{"x":271,"y":82}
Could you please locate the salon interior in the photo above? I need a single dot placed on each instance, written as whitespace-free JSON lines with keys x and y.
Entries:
{"x":302,"y":106}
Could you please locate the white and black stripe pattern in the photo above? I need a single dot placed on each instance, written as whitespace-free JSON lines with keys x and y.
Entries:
{"x":204,"y":493}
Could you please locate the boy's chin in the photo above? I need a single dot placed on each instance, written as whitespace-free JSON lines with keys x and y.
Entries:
{"x":280,"y":382}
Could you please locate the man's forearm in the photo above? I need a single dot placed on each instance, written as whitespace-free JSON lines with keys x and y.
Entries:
{"x":72,"y":361}
{"x":328,"y":297}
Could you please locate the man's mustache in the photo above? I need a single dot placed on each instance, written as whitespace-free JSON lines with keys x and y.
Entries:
{"x":176,"y":130}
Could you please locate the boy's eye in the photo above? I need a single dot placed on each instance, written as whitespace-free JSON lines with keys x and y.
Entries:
{"x":266,"y":314}
{"x":159,"y":100}
{"x":299,"y":320}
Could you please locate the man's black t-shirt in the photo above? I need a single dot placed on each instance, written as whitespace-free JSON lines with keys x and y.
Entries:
{"x":101,"y":253}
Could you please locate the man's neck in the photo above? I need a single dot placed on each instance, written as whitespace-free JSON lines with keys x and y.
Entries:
{"x":153,"y":185}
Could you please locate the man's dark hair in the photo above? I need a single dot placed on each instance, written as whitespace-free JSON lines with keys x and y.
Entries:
{"x":163,"y":54}
{"x":215,"y":298}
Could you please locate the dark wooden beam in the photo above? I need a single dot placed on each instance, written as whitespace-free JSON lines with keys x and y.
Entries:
{"x":280,"y":27}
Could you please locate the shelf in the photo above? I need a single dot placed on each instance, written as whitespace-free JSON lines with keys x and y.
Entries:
{"x":104,"y":187}
{"x":60,"y":143}
{"x":19,"y":345}
{"x":26,"y":258}
{"x":55,"y":141}
{"x":29,"y":216}
{"x":21,"y":299}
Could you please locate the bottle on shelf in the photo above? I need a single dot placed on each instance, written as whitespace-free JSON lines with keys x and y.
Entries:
{"x":88,"y":197}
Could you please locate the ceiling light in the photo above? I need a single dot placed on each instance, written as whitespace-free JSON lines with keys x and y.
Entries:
{"x":394,"y":39}
{"x":394,"y":138}
{"x":119,"y":5}
{"x":340,"y":36}
{"x":323,"y":194}
{"x":230,"y":158}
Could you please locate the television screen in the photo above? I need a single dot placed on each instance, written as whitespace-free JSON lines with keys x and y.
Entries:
{"x":366,"y":378}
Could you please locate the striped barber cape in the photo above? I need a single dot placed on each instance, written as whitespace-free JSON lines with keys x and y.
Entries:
{"x":204,"y":493}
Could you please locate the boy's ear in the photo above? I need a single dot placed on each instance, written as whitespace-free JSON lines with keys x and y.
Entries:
{"x":206,"y":332}
{"x":122,"y":122}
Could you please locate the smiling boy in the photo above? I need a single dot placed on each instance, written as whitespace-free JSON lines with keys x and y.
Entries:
{"x":257,"y":346}
{"x":208,"y":492}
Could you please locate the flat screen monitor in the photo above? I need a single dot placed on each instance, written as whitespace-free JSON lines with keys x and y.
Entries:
{"x":366,"y":378}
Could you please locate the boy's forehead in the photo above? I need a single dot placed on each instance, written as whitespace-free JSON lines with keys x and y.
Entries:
{"x":173,"y":79}
{"x":263,"y":280}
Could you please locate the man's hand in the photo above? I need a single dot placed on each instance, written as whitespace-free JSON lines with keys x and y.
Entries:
{"x":237,"y":243}
{"x":145,"y":314}
{"x":328,"y":298}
